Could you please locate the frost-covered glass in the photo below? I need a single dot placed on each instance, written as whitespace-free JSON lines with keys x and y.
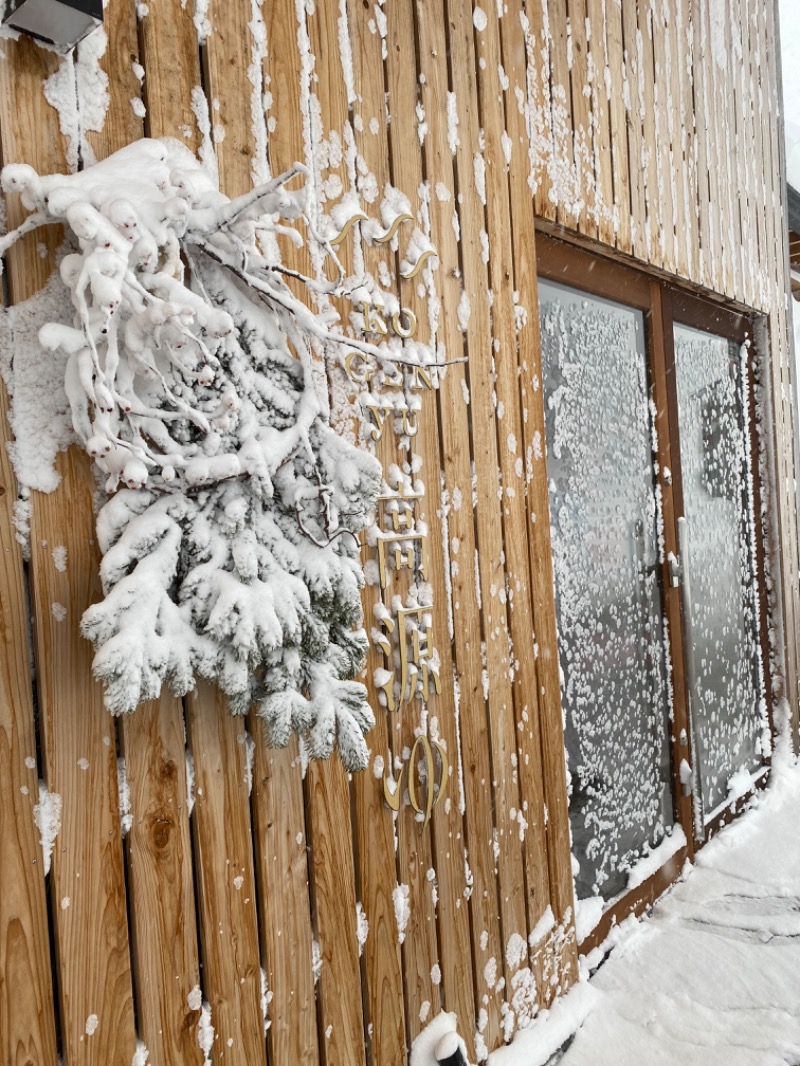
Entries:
{"x":605,"y":520}
{"x":726,"y":700}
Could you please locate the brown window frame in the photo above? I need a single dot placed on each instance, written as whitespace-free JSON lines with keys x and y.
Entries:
{"x":665,"y":303}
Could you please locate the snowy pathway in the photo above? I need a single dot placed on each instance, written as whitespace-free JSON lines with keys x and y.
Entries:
{"x":712,"y":978}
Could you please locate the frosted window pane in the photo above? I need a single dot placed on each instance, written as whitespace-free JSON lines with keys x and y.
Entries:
{"x":726,"y":698}
{"x":604,"y":520}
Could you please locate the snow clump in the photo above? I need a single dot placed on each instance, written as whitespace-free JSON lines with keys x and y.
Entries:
{"x":230,"y":527}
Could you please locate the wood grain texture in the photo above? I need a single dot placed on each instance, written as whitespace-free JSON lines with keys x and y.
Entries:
{"x":657,"y":171}
{"x":161,"y":883}
{"x":279,"y":817}
{"x":87,"y":879}
{"x":284,"y":907}
{"x":634,"y":117}
{"x":225,"y":877}
{"x":782,"y":368}
{"x":91,"y":949}
{"x":688,"y":136}
{"x":664,"y":207}
{"x":566,"y":201}
{"x":675,"y":64}
{"x":397,"y":977}
{"x":649,"y":159}
{"x":595,"y":30}
{"x":535,"y":26}
{"x":480,"y":623}
{"x":539,"y":808}
{"x":342,"y":1027}
{"x":473,"y":853}
{"x":168,"y":42}
{"x":445,"y":892}
{"x":122,"y":125}
{"x":27,"y":1031}
{"x":494,"y":408}
{"x":622,"y":173}
{"x":734,"y":184}
{"x":328,"y":795}
{"x":523,"y":823}
{"x":227,"y":52}
{"x":701,"y":123}
{"x":230,"y":940}
{"x":587,"y":190}
{"x":27,"y":1024}
{"x":29,"y":133}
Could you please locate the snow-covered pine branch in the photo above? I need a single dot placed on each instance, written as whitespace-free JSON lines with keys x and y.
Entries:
{"x":229,"y":537}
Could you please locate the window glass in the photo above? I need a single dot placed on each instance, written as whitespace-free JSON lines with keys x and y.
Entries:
{"x":729,"y":714}
{"x":605,"y":539}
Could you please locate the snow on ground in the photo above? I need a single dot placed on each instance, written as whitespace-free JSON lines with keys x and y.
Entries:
{"x":712,"y":977}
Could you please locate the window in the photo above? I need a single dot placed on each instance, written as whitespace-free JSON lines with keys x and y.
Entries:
{"x":648,"y":401}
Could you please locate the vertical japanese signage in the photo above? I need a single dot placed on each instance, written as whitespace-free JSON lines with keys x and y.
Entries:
{"x":389,"y":393}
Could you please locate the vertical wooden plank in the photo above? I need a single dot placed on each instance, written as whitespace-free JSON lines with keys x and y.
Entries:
{"x":542,"y":783}
{"x":229,"y":932}
{"x":450,"y":911}
{"x":87,"y":878}
{"x":480,"y":176}
{"x":28,"y":133}
{"x":566,"y":183}
{"x":701,"y":125}
{"x":393,"y":985}
{"x":675,"y":59}
{"x":225,"y":875}
{"x":225,"y":55}
{"x":27,"y":1030}
{"x":619,"y":102}
{"x":600,"y":82}
{"x":757,"y":101}
{"x":524,"y":767}
{"x":122,"y":125}
{"x":688,"y":147}
{"x":163,"y":923}
{"x":171,"y":60}
{"x":783,"y":387}
{"x":284,"y":908}
{"x":664,"y":208}
{"x":637,"y":149}
{"x":166,"y":965}
{"x":645,"y":61}
{"x":284,"y":900}
{"x":729,"y":139}
{"x":161,"y":880}
{"x":340,"y":1010}
{"x":535,"y":24}
{"x":722,"y":280}
{"x":586,"y":179}
{"x":396,"y":981}
{"x":747,"y":93}
{"x":736,"y":61}
{"x":475,"y":852}
{"x":328,"y":799}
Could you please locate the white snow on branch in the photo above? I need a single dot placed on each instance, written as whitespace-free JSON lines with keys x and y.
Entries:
{"x":230,"y":532}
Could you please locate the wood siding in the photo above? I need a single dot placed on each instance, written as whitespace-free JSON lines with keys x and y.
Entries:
{"x":645,"y":129}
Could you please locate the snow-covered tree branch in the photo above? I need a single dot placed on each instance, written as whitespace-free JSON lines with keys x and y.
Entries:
{"x":230,"y":532}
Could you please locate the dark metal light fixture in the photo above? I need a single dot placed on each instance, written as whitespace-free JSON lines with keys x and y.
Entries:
{"x":61,"y":23}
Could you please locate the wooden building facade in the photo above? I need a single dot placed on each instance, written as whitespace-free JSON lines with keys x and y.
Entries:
{"x":626,"y":157}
